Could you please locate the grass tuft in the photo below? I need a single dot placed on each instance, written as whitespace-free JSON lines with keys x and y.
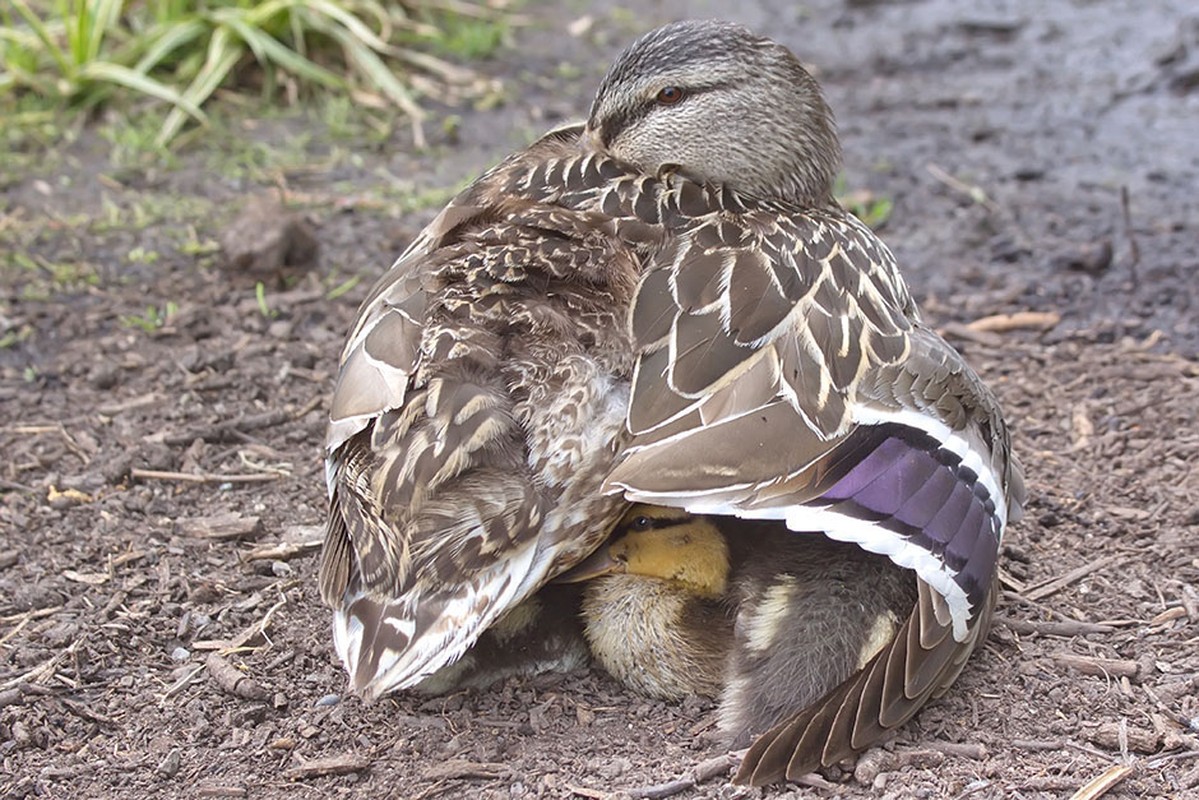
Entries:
{"x":88,"y":54}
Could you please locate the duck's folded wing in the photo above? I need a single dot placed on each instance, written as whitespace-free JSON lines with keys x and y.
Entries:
{"x":474,"y":417}
{"x":920,"y":663}
{"x":432,"y":520}
{"x":784,"y":375}
{"x":418,"y":557}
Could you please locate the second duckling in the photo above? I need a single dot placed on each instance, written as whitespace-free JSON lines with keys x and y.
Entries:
{"x":765,"y":619}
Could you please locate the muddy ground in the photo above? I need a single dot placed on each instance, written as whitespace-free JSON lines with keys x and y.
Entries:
{"x":161,"y":492}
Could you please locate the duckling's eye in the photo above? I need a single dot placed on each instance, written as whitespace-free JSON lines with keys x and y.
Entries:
{"x":669,"y":95}
{"x":641,"y":523}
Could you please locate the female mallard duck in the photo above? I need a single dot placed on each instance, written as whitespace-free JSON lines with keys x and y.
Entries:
{"x":665,"y":303}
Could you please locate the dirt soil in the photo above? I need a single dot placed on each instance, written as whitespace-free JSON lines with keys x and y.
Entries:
{"x":162,"y":494}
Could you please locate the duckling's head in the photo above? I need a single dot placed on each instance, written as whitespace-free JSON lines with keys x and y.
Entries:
{"x":713,"y":101}
{"x":664,"y":543}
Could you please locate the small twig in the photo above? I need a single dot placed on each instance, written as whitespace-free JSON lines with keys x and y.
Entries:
{"x":182,"y":682}
{"x":1002,"y":323}
{"x":229,"y":525}
{"x":1169,"y":615}
{"x":460,"y":768}
{"x":308,"y":407}
{"x":244,"y":638}
{"x":24,"y":619}
{"x":432,"y":790}
{"x":1035,"y":744}
{"x":975,"y":193}
{"x":45,"y":668}
{"x":1091,"y":751}
{"x":1153,"y":763}
{"x":202,"y":477}
{"x":1103,"y":667}
{"x":1191,"y":725}
{"x":1099,"y":786}
{"x":1057,"y":584}
{"x":132,"y":404}
{"x":1133,"y":248}
{"x":211,"y":790}
{"x":1061,"y":628}
{"x":231,"y":430}
{"x":281,"y":551}
{"x":82,"y":710}
{"x":333,"y":765}
{"x":973,"y":750}
{"x":704,"y":771}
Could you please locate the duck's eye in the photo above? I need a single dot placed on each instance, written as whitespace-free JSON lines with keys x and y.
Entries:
{"x":641,"y":523}
{"x":669,"y":95}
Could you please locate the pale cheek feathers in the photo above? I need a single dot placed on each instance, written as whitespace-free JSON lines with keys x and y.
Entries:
{"x":881,"y":632}
{"x":761,"y":627}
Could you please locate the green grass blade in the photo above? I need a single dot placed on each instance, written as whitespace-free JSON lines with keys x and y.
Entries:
{"x":22,"y":39}
{"x":371,"y":66}
{"x":348,"y":21}
{"x":223,"y":54}
{"x":252,"y":36}
{"x":93,"y":19}
{"x":381,"y":76}
{"x":104,"y":15}
{"x":268,"y":49}
{"x":167,"y":40}
{"x":140,"y":82}
{"x":43,"y":34}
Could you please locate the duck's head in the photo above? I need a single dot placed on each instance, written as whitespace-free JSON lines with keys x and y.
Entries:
{"x":663,"y":543}
{"x":718,"y":104}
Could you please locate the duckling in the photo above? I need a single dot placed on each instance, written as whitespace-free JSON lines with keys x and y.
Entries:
{"x":664,"y":304}
{"x":768,"y":620}
{"x":658,"y":614}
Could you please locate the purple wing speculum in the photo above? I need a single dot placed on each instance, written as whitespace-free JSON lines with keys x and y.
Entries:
{"x":908,"y":484}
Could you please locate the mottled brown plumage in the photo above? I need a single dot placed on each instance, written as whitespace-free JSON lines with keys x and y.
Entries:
{"x":473,"y":422}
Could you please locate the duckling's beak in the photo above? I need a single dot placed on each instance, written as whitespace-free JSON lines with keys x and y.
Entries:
{"x":601,"y":562}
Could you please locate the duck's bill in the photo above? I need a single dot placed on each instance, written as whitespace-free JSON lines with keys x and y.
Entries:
{"x":595,"y":565}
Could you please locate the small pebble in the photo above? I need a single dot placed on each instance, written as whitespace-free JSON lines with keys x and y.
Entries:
{"x":170,"y":765}
{"x":20,"y":734}
{"x":329,"y":700}
{"x":180,"y":654}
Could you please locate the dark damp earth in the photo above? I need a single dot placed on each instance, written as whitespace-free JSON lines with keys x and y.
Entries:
{"x":162,"y":493}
